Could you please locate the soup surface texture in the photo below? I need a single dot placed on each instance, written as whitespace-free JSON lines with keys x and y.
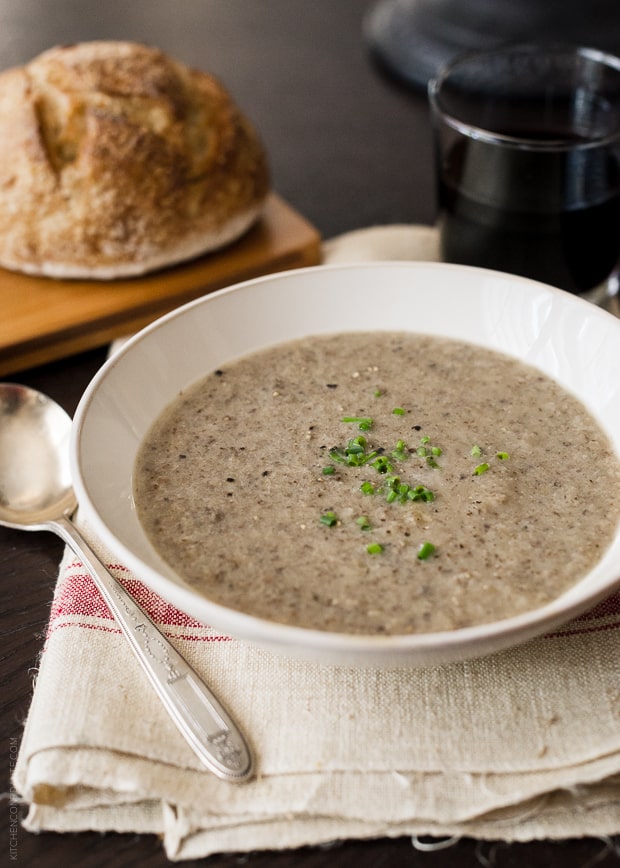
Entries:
{"x":378,"y":483}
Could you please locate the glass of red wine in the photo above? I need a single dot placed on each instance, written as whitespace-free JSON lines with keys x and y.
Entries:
{"x":527,"y":142}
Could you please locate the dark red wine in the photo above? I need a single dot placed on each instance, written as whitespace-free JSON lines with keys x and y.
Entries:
{"x":552,"y":216}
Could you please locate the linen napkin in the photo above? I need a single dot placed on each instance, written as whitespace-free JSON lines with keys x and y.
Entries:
{"x":516,"y":746}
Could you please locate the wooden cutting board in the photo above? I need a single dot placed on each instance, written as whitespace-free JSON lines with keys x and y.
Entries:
{"x":43,"y":319}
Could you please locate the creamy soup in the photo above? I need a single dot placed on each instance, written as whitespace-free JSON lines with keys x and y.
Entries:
{"x":379,"y":483}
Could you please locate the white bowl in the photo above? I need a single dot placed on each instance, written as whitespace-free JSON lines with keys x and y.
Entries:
{"x":564,"y":336}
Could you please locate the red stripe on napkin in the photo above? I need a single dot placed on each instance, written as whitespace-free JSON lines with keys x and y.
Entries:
{"x":78,"y":597}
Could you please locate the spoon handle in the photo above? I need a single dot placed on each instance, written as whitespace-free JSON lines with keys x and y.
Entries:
{"x":199,"y":716}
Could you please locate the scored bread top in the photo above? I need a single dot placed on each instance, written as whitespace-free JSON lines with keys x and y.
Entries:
{"x":116,"y":160}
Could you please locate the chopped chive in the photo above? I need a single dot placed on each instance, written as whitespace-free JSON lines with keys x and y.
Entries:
{"x":353,"y":454}
{"x":374,"y":548}
{"x":425,"y":440}
{"x":503,"y":456}
{"x":329,"y":470}
{"x":368,"y":457}
{"x":425,"y":550}
{"x":363,"y":522}
{"x":481,"y":468}
{"x":378,"y":393}
{"x":476,"y":451}
{"x":436,"y":450}
{"x":367,"y":488}
{"x":421,"y":451}
{"x":431,"y":461}
{"x":420,"y":492}
{"x":329,"y":519}
{"x":364,"y":423}
{"x":382,"y":465}
{"x":398,"y":411}
{"x":400,"y":451}
{"x":399,"y":454}
{"x":356,"y":445}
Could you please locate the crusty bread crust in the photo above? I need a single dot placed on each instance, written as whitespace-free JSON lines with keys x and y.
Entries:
{"x":116,"y":160}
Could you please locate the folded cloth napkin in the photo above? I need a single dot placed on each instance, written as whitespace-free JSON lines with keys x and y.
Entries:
{"x":516,"y":746}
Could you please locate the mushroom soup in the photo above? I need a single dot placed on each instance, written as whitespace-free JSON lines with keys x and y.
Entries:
{"x":378,"y":483}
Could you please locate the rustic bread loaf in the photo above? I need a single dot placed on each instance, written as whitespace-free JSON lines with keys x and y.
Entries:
{"x":116,"y":160}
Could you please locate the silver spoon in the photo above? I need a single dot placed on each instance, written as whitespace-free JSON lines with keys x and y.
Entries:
{"x":36,"y":494}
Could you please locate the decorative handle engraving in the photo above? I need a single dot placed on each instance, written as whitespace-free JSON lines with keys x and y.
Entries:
{"x":198,"y":715}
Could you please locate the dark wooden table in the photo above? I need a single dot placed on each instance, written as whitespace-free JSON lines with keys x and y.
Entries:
{"x":348,"y":149}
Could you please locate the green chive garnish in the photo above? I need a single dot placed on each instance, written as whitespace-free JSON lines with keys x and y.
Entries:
{"x":374,"y":548}
{"x":329,"y":519}
{"x":357,"y":445}
{"x":364,"y":423}
{"x":400,"y":452}
{"x":481,"y":468}
{"x":382,"y":465}
{"x":420,"y":492}
{"x":425,"y":550}
{"x":476,"y":451}
{"x":367,"y":488}
{"x":503,"y":456}
{"x":398,"y":411}
{"x":329,"y":470}
{"x":428,"y":452}
{"x":363,"y":522}
{"x":353,"y":454}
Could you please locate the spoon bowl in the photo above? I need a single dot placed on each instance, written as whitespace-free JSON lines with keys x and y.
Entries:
{"x":35,"y":477}
{"x":36,"y":494}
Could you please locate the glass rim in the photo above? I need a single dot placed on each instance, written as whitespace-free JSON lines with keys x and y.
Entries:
{"x":474,"y":131}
